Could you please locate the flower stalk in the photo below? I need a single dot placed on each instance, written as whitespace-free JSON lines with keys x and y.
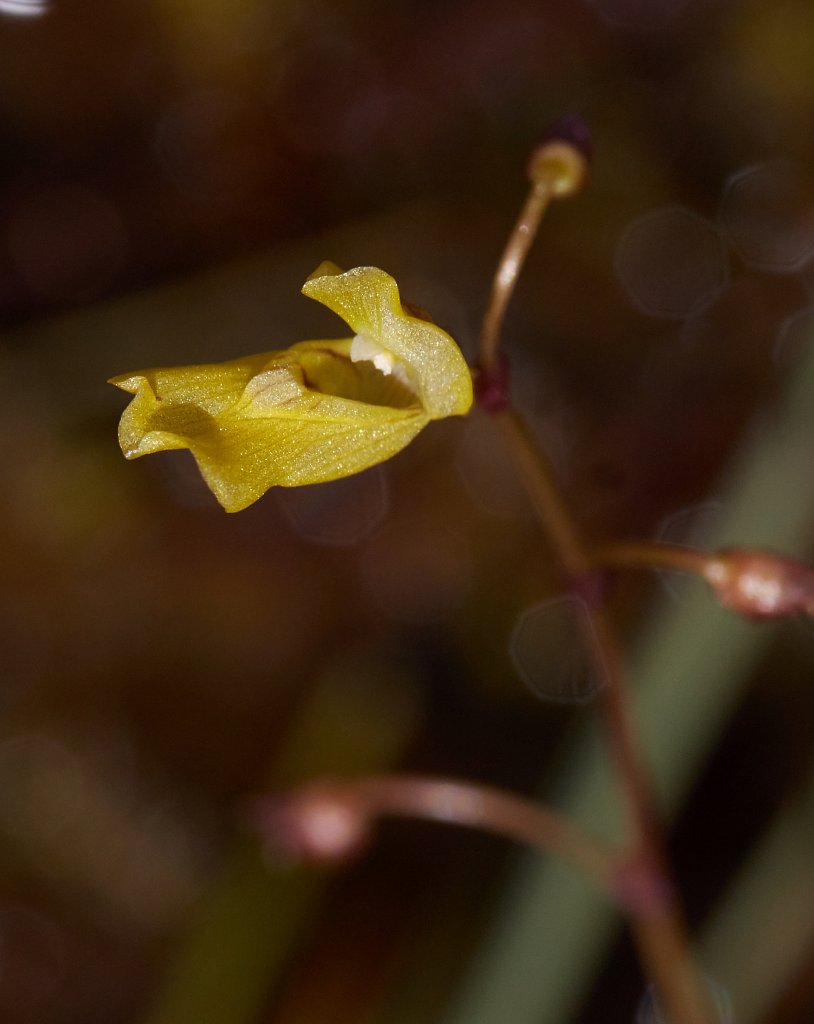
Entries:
{"x":332,"y":819}
{"x":657,"y":924}
{"x":557,"y":169}
{"x":753,"y":583}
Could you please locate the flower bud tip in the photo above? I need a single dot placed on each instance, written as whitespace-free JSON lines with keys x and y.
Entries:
{"x":573,"y":130}
{"x":312,"y":824}
{"x":759,"y":584}
{"x":561,"y":157}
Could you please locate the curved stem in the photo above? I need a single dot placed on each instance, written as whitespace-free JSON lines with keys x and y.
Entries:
{"x":575,"y":563}
{"x":484,"y":807}
{"x":511,"y":262}
{"x":752,"y":582}
{"x":557,"y":169}
{"x":657,"y":924}
{"x":653,"y":555}
{"x":659,"y":929}
{"x":544,"y":493}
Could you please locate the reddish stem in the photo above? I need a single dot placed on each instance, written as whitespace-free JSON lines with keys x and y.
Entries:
{"x":452,"y":801}
{"x":658,"y":928}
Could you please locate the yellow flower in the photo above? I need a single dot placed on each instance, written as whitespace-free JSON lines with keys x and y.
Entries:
{"x":313,"y":412}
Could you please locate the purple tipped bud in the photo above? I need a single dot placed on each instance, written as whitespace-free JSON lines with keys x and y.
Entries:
{"x":574,"y":131}
{"x":559,"y":161}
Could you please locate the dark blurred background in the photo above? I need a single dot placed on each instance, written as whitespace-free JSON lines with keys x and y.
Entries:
{"x":170,"y":173}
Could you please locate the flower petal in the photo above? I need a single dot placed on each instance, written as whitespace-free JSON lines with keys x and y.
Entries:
{"x":368,"y":300}
{"x":304,"y":415}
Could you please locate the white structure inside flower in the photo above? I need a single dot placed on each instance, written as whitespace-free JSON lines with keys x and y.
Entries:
{"x":365,"y":349}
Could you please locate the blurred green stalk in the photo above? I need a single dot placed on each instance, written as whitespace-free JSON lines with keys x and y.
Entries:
{"x":763,"y":929}
{"x":251,"y":919}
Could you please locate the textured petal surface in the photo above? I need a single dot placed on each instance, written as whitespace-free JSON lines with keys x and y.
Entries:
{"x":301,"y":416}
{"x":314,"y":412}
{"x":368,"y":300}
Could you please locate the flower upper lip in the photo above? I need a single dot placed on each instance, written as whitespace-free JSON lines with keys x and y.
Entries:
{"x":368,"y":300}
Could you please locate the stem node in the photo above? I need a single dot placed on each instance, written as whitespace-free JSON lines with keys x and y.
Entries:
{"x":492,"y":385}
